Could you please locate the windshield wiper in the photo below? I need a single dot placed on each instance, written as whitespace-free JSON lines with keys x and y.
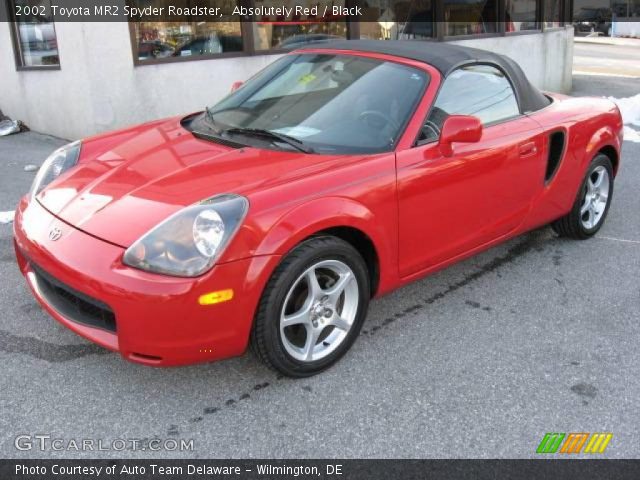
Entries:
{"x":292,"y":141}
{"x":212,"y":122}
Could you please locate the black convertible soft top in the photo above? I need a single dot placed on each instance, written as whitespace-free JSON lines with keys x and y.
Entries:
{"x":446,"y":57}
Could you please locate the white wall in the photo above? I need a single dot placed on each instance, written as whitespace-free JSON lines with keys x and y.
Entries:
{"x":99,"y":89}
{"x":546,"y":58}
{"x":626,"y":27}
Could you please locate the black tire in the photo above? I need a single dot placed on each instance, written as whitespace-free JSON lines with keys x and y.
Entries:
{"x":266,"y":340}
{"x":571,"y":225}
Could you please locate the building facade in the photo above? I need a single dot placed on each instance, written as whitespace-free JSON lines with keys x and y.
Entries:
{"x":74,"y":79}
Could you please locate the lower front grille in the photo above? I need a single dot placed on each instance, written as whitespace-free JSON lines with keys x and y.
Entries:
{"x":74,"y":305}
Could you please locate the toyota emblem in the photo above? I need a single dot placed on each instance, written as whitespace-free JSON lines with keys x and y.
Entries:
{"x":54,"y":234}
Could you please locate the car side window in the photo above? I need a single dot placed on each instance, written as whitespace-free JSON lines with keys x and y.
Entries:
{"x":480,"y":90}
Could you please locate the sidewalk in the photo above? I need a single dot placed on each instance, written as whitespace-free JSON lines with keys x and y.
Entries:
{"x":627,"y":42}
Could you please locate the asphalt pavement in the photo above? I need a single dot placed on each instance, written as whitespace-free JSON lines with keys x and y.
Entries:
{"x":607,"y":56}
{"x":538,"y":335}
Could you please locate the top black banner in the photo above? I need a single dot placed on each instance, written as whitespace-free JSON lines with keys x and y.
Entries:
{"x":268,"y":11}
{"x":179,"y":10}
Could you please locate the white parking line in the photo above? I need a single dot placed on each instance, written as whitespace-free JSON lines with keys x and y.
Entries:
{"x":624,"y":240}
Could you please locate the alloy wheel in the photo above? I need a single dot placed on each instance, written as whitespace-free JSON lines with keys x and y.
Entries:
{"x":595,"y":198}
{"x":319,"y":310}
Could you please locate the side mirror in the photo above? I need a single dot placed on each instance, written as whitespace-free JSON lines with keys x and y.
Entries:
{"x":459,"y":128}
{"x":236,"y":85}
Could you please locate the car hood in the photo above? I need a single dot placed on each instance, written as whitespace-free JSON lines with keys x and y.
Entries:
{"x":121,"y":189}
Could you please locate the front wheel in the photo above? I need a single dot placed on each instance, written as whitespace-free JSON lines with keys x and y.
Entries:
{"x":312,"y":308}
{"x":592,"y":203}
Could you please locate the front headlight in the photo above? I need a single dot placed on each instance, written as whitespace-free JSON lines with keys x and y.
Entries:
{"x":189,"y":242}
{"x":55,"y":165}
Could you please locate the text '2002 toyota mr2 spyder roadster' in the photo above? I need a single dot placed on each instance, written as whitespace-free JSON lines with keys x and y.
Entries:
{"x":340,"y":172}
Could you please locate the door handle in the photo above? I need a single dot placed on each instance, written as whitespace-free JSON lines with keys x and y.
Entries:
{"x":527,"y":149}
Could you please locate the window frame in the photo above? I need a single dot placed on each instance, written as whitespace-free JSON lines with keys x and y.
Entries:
{"x":18,"y":55}
{"x":418,"y":143}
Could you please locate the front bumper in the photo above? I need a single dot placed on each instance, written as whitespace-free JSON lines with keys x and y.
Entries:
{"x":158,"y":320}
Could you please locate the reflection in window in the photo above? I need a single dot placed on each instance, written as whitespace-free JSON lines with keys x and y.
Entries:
{"x":334,"y":103}
{"x":622,"y":9}
{"x":470,"y":17}
{"x":552,"y":13}
{"x":36,"y":34}
{"x":297,"y":31}
{"x":162,"y":40}
{"x":479,"y":90}
{"x":397,"y":20}
{"x":521,"y":15}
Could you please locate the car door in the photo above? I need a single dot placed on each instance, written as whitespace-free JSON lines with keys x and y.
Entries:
{"x":450,"y":205}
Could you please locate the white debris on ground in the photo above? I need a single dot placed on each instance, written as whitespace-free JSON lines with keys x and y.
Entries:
{"x":631,"y":135}
{"x":7,"y":217}
{"x":7,"y":127}
{"x":30,"y":167}
{"x":630,"y":110}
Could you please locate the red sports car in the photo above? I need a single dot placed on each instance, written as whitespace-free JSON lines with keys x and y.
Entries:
{"x":339,"y":173}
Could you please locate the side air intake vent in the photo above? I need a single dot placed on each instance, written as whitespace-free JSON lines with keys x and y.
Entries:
{"x":557,"y":142}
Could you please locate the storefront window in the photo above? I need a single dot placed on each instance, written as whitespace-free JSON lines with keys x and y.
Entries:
{"x":35,"y":33}
{"x":626,"y":9}
{"x":470,"y":17}
{"x":273,"y":28}
{"x":272,"y":32}
{"x":189,"y":37}
{"x":621,"y":8}
{"x":397,"y":20}
{"x":552,"y":13}
{"x":521,"y":15}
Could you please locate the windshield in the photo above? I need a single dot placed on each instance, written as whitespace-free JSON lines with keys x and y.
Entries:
{"x":329,"y":103}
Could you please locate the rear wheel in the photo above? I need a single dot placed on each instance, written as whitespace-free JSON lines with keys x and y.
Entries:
{"x":592,"y":203}
{"x":312,"y":308}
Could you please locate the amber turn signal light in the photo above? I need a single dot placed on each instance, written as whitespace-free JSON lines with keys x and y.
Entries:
{"x":212,"y":298}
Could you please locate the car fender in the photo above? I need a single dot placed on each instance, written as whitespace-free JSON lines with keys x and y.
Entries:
{"x":320,"y":214}
{"x":604,"y":136}
{"x":601,"y":138}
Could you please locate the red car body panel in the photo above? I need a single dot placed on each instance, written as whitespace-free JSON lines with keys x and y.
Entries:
{"x":159,"y":319}
{"x":421,"y":210}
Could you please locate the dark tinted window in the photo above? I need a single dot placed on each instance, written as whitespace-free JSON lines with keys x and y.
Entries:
{"x":277,"y":30}
{"x":479,"y":90}
{"x":521,"y":15}
{"x":161,"y":40}
{"x":397,"y":20}
{"x":470,"y":17}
